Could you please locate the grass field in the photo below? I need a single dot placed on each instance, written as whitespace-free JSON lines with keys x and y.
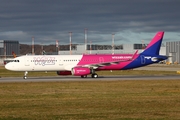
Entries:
{"x":102,"y":100}
{"x":91,"y":100}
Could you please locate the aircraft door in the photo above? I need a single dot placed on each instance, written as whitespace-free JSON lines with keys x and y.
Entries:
{"x":61,"y":62}
{"x":26,"y":60}
{"x":101,"y":59}
{"x":143,"y":61}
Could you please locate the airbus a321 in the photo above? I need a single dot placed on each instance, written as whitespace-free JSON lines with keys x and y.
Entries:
{"x":83,"y":65}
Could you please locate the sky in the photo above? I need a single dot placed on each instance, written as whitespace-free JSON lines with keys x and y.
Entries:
{"x":131,"y":21}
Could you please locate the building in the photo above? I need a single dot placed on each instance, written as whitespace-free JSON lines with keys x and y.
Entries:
{"x":173,"y":50}
{"x":7,"y":47}
{"x":104,"y":49}
{"x":170,"y":49}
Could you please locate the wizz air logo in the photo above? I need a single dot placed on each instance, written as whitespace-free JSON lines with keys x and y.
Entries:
{"x":44,"y":61}
{"x":121,"y":57}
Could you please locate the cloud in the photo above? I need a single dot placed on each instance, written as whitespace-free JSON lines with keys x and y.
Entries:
{"x":49,"y":21}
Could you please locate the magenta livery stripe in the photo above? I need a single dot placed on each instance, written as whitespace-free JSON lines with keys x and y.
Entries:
{"x":105,"y":61}
{"x":104,"y":58}
{"x":155,"y":44}
{"x":151,"y":51}
{"x":156,"y":38}
{"x":101,"y":58}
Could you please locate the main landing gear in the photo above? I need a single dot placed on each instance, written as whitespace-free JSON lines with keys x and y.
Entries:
{"x":25,"y":75}
{"x":94,"y":75}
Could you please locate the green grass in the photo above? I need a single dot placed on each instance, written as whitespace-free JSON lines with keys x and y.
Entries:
{"x":103,"y":100}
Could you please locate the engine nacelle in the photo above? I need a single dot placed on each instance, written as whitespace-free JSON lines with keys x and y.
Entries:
{"x":154,"y":59}
{"x":81,"y":71}
{"x":64,"y":73}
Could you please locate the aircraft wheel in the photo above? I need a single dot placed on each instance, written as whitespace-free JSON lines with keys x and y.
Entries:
{"x":83,"y":76}
{"x":25,"y":74}
{"x":94,"y":75}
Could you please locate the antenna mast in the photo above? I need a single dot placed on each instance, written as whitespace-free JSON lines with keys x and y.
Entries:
{"x":112,"y":43}
{"x":85,"y":40}
{"x":70,"y":42}
{"x":32,"y":45}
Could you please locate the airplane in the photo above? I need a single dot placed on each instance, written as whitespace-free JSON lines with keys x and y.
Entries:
{"x":83,"y":65}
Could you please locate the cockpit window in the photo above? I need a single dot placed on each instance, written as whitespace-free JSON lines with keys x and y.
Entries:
{"x":16,"y":61}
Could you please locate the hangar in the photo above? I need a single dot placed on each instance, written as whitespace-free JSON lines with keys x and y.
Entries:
{"x":173,"y":50}
{"x":6,"y":49}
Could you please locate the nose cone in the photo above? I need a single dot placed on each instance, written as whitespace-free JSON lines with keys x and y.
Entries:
{"x":9,"y":66}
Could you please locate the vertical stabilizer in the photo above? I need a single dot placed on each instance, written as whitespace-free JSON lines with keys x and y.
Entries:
{"x":155,"y":44}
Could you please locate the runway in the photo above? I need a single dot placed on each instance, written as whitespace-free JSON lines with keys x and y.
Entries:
{"x":100,"y":78}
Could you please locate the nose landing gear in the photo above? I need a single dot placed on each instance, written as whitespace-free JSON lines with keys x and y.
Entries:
{"x":25,"y":75}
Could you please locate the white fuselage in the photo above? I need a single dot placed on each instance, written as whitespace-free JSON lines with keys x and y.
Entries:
{"x":44,"y":62}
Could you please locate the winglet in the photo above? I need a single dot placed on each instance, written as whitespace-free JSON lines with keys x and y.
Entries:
{"x":134,"y":54}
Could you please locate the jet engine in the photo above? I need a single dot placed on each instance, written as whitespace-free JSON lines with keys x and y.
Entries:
{"x":154,"y":59}
{"x":79,"y":71}
{"x":64,"y":73}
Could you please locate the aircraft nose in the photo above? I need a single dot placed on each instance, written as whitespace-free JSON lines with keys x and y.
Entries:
{"x":8,"y":66}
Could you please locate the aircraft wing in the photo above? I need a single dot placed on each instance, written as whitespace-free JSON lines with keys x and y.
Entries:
{"x":97,"y":65}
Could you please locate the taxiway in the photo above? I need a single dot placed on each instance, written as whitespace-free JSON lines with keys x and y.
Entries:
{"x":101,"y":78}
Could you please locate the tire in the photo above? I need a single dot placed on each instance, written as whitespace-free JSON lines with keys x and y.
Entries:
{"x":83,"y":76}
{"x":94,"y":75}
